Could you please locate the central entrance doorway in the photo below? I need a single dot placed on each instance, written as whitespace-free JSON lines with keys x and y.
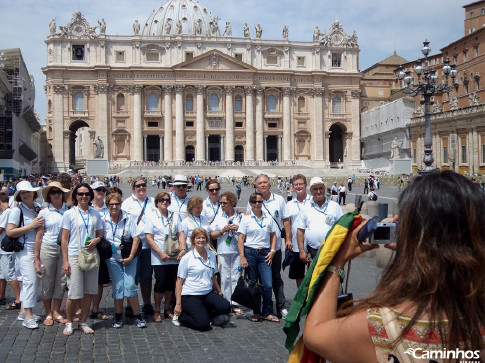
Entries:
{"x":272,"y":148}
{"x":336,"y":144}
{"x":153,"y":148}
{"x":214,"y":148}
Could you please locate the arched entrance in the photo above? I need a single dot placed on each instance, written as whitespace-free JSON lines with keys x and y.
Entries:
{"x":239,"y":153}
{"x":336,"y":143}
{"x":79,"y":130}
{"x":272,"y":148}
{"x":214,"y":148}
{"x":189,"y":153}
{"x":153,"y":148}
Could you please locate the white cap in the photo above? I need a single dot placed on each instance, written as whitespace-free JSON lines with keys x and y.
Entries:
{"x":316,"y":181}
{"x":97,"y":185}
{"x":180,"y":179}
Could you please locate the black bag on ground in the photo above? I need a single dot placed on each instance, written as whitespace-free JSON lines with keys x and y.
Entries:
{"x":104,"y":249}
{"x":246,"y":293}
{"x":13,"y":244}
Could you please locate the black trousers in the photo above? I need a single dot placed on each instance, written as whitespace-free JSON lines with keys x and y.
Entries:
{"x":278,"y":287}
{"x":197,"y":310}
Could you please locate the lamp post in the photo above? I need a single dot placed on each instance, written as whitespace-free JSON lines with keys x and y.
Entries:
{"x":427,"y":87}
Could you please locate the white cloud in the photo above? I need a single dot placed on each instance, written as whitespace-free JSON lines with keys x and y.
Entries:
{"x":381,"y":25}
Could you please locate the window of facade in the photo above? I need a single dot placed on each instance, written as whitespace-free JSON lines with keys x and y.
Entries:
{"x":271,"y":106}
{"x":240,"y":124}
{"x":336,"y":60}
{"x":272,"y":60}
{"x":463,"y":154}
{"x":78,"y":52}
{"x":79,"y":101}
{"x":472,"y":14}
{"x":301,"y":104}
{"x":120,"y":102}
{"x":152,"y":56}
{"x":120,"y":56}
{"x":189,"y":103}
{"x":445,"y":154}
{"x":415,"y":156}
{"x":300,"y":61}
{"x":152,"y":102}
{"x":238,"y":57}
{"x":189,"y":56}
{"x":483,"y":154}
{"x":471,"y":30}
{"x":189,"y":124}
{"x":238,"y":103}
{"x":152,"y":123}
{"x":336,"y":105}
{"x":213,"y":102}
{"x":272,"y":125}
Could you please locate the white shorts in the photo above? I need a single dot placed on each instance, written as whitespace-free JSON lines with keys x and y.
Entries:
{"x":7,"y":267}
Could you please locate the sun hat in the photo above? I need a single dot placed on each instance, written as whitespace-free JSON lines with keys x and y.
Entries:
{"x":24,"y":186}
{"x":55,"y":184}
{"x":316,"y":181}
{"x":180,"y":179}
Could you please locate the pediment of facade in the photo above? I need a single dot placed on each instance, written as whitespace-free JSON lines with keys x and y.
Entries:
{"x":214,"y":60}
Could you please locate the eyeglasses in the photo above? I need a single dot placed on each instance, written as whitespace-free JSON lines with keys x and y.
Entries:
{"x":166,"y":200}
{"x":257,"y":202}
{"x":58,"y":191}
{"x":214,"y":189}
{"x":180,"y":186}
{"x":114,"y":204}
{"x":142,"y":185}
{"x":83,"y":194}
{"x":101,"y":190}
{"x":224,"y":203}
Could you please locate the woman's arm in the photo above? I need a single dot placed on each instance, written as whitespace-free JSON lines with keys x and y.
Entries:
{"x":178,"y":296}
{"x":240,"y":246}
{"x":14,"y":231}
{"x":183,"y":244}
{"x":65,"y":262}
{"x":215,"y":285}
{"x":38,"y":242}
{"x":269,"y":257}
{"x":154,"y":246}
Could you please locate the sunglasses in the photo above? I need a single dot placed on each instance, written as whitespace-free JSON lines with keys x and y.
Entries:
{"x":214,"y":189}
{"x":114,"y":204}
{"x":143,"y":185}
{"x":224,"y":203}
{"x":166,"y":200}
{"x":83,"y":194}
{"x":101,"y":190}
{"x":180,"y":186}
{"x":257,"y":202}
{"x":58,"y":191}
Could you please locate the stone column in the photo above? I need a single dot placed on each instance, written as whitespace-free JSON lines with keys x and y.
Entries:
{"x":168,"y":123}
{"x":102,"y":129}
{"x":230,"y":150}
{"x":92,"y":138}
{"x":286,"y":124}
{"x":161,"y":148}
{"x":222,"y":147}
{"x":58,"y":127}
{"x":279,"y":147}
{"x":318,"y":139}
{"x":179,"y":123}
{"x":137,"y":123}
{"x":260,"y":141}
{"x":200,"y":121}
{"x":249,"y":124}
{"x":355,"y":107}
{"x":327,"y":147}
{"x":66,"y":141}
{"x":473,"y":150}
{"x":145,"y":153}
{"x":206,"y":147}
{"x":265,"y":147}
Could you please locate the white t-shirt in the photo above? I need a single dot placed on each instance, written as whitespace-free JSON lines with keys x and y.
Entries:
{"x":294,"y":208}
{"x":190,"y":223}
{"x":29,"y":215}
{"x":222,"y":220}
{"x":197,"y":273}
{"x":210,"y":210}
{"x":275,"y":206}
{"x":257,"y":232}
{"x":158,"y":225}
{"x":89,"y":222}
{"x":125,"y":227}
{"x":317,"y":221}
{"x":3,"y":224}
{"x":52,"y":224}
{"x":133,"y":207}
{"x":178,"y":207}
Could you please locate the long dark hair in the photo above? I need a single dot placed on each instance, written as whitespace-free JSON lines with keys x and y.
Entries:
{"x":76,"y":188}
{"x":439,"y":264}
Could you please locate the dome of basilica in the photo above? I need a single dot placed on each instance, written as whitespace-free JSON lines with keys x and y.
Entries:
{"x":186,"y":17}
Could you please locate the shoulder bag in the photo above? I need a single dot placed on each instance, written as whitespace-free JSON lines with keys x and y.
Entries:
{"x":13,"y":244}
{"x":247,"y":293}
{"x":171,"y":244}
{"x":126,"y":244}
{"x":282,"y":230}
{"x":59,"y":235}
{"x":87,"y":260}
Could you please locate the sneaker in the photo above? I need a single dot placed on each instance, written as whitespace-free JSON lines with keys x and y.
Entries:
{"x":36,"y":318}
{"x":220,"y":320}
{"x":284,"y":312}
{"x":117,"y":322}
{"x":30,"y":324}
{"x":175,"y":320}
{"x":140,"y":323}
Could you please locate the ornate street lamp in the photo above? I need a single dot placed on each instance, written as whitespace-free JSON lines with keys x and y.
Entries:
{"x":426,"y":87}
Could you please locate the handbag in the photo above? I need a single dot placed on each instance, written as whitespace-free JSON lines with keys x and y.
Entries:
{"x":171,"y":244}
{"x":126,"y":245}
{"x":104,"y":249}
{"x":13,"y":244}
{"x":282,"y":230}
{"x":87,"y":260}
{"x":247,"y":293}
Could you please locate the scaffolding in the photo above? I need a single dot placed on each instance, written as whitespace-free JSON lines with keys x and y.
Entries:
{"x":10,"y":63}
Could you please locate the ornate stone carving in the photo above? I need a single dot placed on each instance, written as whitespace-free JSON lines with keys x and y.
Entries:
{"x":102,"y":26}
{"x":228,"y":46}
{"x":179,"y":45}
{"x":473,"y":99}
{"x":198,"y":27}
{"x":246,"y":31}
{"x":179,"y":88}
{"x":454,"y":103}
{"x":259,"y":31}
{"x":317,"y":92}
{"x":135,"y":88}
{"x":315,"y":50}
{"x":287,"y":91}
{"x":77,"y":27}
{"x":52,"y":27}
{"x":249,"y":90}
{"x":67,"y":134}
{"x":199,"y":45}
{"x":259,"y":91}
{"x":316,"y":34}
{"x":152,"y":48}
{"x":59,"y":88}
{"x":337,"y":37}
{"x":355,"y":93}
{"x":167,"y":89}
{"x":436,"y":107}
{"x":273,"y":51}
{"x":285,"y":32}
{"x":214,"y":28}
{"x":101,"y":88}
{"x":229,"y":90}
{"x":214,"y":61}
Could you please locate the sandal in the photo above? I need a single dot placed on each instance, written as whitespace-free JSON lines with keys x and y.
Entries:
{"x":60,"y":319}
{"x":14,"y":306}
{"x":77,"y":318}
{"x":68,"y":329}
{"x":48,"y":321}
{"x":255,"y":319}
{"x":237,"y":310}
{"x":157,"y":318}
{"x":99,"y":315}
{"x":85,"y":328}
{"x":271,"y":318}
{"x":168,"y":314}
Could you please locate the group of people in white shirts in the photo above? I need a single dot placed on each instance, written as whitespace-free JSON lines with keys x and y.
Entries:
{"x":196,"y":284}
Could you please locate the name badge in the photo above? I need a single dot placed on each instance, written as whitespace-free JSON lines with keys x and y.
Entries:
{"x":328,"y":220}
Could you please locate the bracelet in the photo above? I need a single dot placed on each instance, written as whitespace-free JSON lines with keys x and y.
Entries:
{"x":273,"y":251}
{"x":183,"y":249}
{"x":340,"y":272}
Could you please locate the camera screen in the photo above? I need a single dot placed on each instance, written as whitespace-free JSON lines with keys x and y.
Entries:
{"x":382,"y":233}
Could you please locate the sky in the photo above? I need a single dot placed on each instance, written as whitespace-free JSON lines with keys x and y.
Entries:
{"x":382,"y":26}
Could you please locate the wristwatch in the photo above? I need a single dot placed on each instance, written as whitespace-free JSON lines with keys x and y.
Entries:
{"x":273,"y":251}
{"x":340,"y":272}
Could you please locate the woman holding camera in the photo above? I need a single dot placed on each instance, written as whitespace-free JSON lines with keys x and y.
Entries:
{"x":23,"y":223}
{"x":432,"y":294}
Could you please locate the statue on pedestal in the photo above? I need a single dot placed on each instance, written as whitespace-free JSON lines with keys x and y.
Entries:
{"x":285,"y":33}
{"x":316,"y":34}
{"x":259,"y":31}
{"x":246,"y":30}
{"x":395,"y":148}
{"x":99,"y":148}
{"x":136,"y":27}
{"x":52,"y":26}
{"x":102,"y":26}
{"x":168,"y":26}
{"x":228,"y":30}
{"x":178,"y":27}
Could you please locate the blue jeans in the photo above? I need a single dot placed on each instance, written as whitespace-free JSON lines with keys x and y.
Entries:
{"x":263,"y":271}
{"x":123,"y":278}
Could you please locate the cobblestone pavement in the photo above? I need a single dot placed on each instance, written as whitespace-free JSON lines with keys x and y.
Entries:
{"x":240,"y":341}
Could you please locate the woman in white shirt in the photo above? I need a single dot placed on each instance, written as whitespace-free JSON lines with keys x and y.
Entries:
{"x":257,"y":247}
{"x":157,"y":230}
{"x":198,"y":293}
{"x":25,"y":230}
{"x":82,"y":225}
{"x":194,"y":220}
{"x":224,"y":229}
{"x":48,"y":252}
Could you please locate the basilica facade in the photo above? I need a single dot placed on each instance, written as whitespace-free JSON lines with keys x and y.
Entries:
{"x":182,"y":88}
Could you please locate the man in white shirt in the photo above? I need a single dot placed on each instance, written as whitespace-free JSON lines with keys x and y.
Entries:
{"x":294,"y":206}
{"x":316,"y":219}
{"x":275,"y":206}
{"x":179,"y":197}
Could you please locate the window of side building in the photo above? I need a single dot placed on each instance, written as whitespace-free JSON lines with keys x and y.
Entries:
{"x":189,"y":56}
{"x":120,"y":56}
{"x":238,"y":57}
{"x":300,"y":61}
{"x":189,"y":103}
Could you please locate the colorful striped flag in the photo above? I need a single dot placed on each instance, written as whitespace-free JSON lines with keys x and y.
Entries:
{"x":306,"y":292}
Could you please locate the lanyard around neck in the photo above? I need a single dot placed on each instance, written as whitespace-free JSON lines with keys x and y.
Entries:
{"x":202,"y":260}
{"x":262,"y":221}
{"x":111,"y":222}
{"x":318,"y":210}
{"x":212,"y":205}
{"x":162,"y":218}
{"x":86,"y":225}
{"x":198,"y":224}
